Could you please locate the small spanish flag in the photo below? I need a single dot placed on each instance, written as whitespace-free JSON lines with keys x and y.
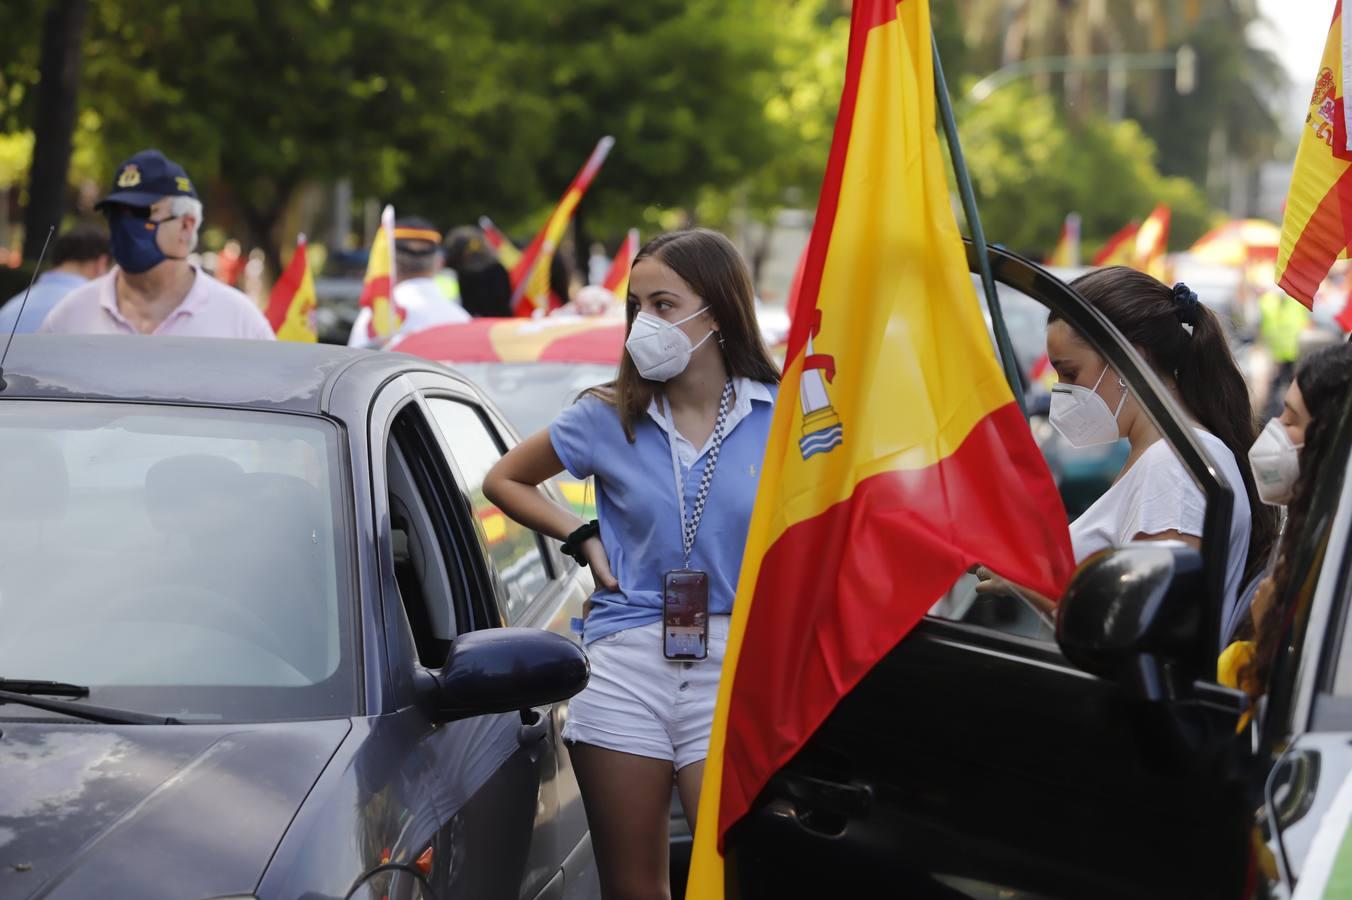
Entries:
{"x":530,"y":276}
{"x":291,"y":305}
{"x":377,"y":290}
{"x":617,"y":278}
{"x":508,"y":253}
{"x":1152,"y":243}
{"x":1317,"y":223}
{"x":1066,"y":253}
{"x":1120,"y":250}
{"x":897,"y":458}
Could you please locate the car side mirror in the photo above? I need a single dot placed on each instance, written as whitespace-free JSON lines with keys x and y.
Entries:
{"x":505,"y":669}
{"x":1132,"y":615}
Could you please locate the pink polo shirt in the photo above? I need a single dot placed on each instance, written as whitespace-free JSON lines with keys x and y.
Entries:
{"x":211,"y":309}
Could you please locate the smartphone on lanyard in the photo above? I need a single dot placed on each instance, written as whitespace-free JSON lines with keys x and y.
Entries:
{"x":685,"y":615}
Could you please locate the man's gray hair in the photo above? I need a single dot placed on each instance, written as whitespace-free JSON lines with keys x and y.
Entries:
{"x":180,"y":205}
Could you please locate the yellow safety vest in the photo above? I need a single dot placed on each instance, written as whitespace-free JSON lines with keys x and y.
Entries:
{"x":1283,"y":319}
{"x":448,"y":284}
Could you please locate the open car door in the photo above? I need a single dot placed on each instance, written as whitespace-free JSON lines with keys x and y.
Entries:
{"x":978,"y":760}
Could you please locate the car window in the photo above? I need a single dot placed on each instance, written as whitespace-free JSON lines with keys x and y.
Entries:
{"x":422,"y":569}
{"x":180,"y":556}
{"x":530,"y":395}
{"x":513,"y":549}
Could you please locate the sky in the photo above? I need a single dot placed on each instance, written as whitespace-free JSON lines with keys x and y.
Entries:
{"x":1296,"y":31}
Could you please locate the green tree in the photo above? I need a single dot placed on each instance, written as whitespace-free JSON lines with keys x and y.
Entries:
{"x":258,"y":99}
{"x":1030,"y":167}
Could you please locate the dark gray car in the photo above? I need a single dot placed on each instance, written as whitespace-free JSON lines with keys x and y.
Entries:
{"x":262,"y":636}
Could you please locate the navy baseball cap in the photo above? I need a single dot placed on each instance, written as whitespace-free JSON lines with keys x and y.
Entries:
{"x":146,"y":177}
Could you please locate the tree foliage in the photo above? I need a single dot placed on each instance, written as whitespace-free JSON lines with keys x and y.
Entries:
{"x":722,"y":109}
{"x":1030,"y":166}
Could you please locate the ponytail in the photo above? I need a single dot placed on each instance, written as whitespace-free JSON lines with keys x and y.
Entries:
{"x":1185,"y":341}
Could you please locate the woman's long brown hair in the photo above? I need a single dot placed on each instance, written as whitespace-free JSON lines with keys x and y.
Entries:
{"x":717,"y":274}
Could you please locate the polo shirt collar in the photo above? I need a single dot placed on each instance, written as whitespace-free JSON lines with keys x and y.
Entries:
{"x":748,"y":391}
{"x":197,"y":295}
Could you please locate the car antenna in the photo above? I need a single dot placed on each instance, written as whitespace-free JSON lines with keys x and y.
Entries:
{"x":9,"y":340}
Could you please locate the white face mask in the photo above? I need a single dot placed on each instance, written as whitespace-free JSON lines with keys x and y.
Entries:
{"x":1082,"y":416}
{"x":1275,"y":462}
{"x":659,"y":349}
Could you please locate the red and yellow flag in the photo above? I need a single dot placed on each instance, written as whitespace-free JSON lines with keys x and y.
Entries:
{"x":530,"y":276}
{"x":897,"y":458}
{"x":377,"y":290}
{"x":1152,"y":243}
{"x":508,"y":253}
{"x":617,"y":277}
{"x":1066,"y":253}
{"x":291,"y":305}
{"x":1120,"y":249}
{"x":1317,"y":224}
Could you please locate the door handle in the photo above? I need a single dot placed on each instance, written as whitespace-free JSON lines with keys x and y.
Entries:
{"x":534,"y":726}
{"x":818,"y":806}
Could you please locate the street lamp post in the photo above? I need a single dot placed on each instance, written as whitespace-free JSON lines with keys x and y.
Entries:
{"x":1183,"y":61}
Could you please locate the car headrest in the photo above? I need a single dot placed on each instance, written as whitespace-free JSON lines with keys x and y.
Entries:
{"x":34,"y":481}
{"x":195,"y":493}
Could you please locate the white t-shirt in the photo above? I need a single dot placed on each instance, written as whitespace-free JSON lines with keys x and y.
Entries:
{"x":1157,"y":495}
{"x":423,"y":304}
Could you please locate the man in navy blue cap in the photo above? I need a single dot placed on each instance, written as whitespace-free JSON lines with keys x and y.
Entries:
{"x":153,"y":218}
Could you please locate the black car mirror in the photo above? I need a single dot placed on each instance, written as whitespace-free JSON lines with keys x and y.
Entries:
{"x":505,"y":669}
{"x":1132,"y":615}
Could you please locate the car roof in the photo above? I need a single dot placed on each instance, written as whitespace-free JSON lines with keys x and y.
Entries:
{"x":272,"y":375}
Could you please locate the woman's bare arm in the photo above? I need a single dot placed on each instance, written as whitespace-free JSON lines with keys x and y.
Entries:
{"x":513,"y":485}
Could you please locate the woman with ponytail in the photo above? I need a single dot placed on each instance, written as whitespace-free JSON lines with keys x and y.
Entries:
{"x":1154,"y":497}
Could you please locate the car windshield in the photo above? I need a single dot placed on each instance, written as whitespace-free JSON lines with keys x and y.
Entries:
{"x":530,"y":395}
{"x":176,"y":560}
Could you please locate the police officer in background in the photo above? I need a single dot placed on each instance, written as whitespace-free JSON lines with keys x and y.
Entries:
{"x":418,"y":296}
{"x":153,"y":219}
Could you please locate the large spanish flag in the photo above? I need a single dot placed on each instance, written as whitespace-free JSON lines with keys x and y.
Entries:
{"x":897,"y":458}
{"x":530,"y":276}
{"x":1317,"y":224}
{"x":1120,"y":250}
{"x":291,"y":305}
{"x":377,"y":290}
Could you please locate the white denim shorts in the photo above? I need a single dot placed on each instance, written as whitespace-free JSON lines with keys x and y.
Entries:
{"x":639,"y":702}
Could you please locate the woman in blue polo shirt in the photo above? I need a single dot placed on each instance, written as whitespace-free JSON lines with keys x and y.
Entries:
{"x":675,"y":446}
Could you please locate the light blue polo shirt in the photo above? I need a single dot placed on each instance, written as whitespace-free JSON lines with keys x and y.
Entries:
{"x":636,"y":501}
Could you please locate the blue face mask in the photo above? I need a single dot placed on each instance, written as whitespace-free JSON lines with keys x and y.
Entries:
{"x":133,"y":241}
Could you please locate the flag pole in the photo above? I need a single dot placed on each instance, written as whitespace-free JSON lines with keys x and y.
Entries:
{"x":1002,"y":340}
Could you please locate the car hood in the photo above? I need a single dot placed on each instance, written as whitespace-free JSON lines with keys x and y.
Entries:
{"x":149,"y":811}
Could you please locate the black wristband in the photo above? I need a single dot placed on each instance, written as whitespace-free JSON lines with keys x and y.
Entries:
{"x":573,"y":546}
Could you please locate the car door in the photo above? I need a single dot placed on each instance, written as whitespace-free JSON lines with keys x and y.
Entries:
{"x":536,"y":588}
{"x":976,"y":761}
{"x":484,"y":775}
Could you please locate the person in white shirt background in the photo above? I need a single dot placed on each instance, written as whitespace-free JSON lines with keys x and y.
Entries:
{"x":417,"y":295}
{"x":1154,"y":498}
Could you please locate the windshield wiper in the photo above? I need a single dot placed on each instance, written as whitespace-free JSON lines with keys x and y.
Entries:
{"x":52,"y":688}
{"x":87,"y":711}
